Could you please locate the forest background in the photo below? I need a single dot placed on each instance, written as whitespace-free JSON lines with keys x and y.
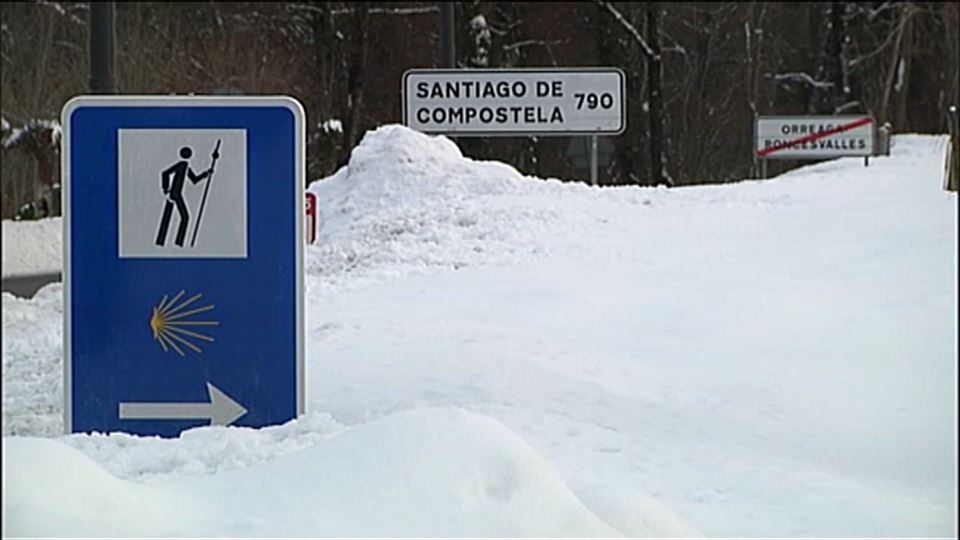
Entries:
{"x":698,"y":73}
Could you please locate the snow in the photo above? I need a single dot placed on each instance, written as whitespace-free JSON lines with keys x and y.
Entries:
{"x":482,"y":37}
{"x":805,"y":78}
{"x":331,"y":125}
{"x":48,"y":484}
{"x":395,"y":475}
{"x":16,"y":135}
{"x":901,"y":68}
{"x":31,"y":247}
{"x":13,"y":137}
{"x":408,"y":204}
{"x":490,"y":354}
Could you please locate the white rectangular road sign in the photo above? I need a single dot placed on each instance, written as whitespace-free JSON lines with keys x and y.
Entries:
{"x":805,"y":137}
{"x":581,"y":101}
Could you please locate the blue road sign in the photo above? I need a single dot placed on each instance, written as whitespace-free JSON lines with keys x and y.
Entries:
{"x":183,"y":281}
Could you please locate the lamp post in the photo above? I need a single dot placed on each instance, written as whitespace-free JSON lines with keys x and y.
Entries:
{"x":102,"y":57}
{"x":448,"y":58}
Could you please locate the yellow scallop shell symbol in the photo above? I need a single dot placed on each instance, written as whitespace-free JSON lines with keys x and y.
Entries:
{"x":171,"y":325}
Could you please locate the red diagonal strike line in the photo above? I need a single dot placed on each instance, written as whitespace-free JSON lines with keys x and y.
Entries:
{"x":815,"y":136}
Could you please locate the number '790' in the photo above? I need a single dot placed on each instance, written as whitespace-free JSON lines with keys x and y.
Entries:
{"x":604,"y":101}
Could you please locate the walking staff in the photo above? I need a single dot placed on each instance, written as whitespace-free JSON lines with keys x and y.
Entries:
{"x":206,"y":189}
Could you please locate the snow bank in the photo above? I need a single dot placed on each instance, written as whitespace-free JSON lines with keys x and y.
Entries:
{"x":33,"y":363}
{"x":52,"y":490}
{"x":409,"y":203}
{"x":432,"y":472}
{"x":31,"y":247}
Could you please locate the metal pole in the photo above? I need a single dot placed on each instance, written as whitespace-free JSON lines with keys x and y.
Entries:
{"x":953,"y":173}
{"x":593,"y":160}
{"x":448,"y":57}
{"x":102,"y":57}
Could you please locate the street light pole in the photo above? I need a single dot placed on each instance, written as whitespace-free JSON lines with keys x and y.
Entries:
{"x":102,"y":58}
{"x":448,"y":57}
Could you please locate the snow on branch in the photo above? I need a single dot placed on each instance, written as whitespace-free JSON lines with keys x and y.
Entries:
{"x":413,"y":10}
{"x":851,"y":105}
{"x":391,"y":11}
{"x":482,"y":39}
{"x":36,"y":133}
{"x":800,"y":77}
{"x":331,"y":125}
{"x":677,"y":48}
{"x":11,"y":137}
{"x":530,"y":42}
{"x":873,"y":13}
{"x":58,"y":7}
{"x":628,"y":26}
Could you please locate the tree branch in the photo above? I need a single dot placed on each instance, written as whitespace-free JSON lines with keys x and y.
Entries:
{"x":632,"y":30}
{"x":529,"y":42}
{"x":801,"y":77}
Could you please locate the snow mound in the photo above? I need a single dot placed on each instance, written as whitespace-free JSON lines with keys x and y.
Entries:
{"x":33,"y":363}
{"x":203,"y":451}
{"x":31,"y":247}
{"x":410,"y":201}
{"x":396,"y":167}
{"x":52,"y":490}
{"x":427,"y":472}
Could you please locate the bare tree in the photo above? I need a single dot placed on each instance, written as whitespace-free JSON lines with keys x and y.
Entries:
{"x":650,"y":47}
{"x":697,"y":73}
{"x":658,"y":159}
{"x":355,"y":73}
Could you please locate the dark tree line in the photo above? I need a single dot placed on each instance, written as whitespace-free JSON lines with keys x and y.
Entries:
{"x":698,"y":72}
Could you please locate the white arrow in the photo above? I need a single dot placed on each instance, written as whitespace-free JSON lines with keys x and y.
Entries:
{"x":221,"y":410}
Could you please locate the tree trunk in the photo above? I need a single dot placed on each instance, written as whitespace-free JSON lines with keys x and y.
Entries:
{"x":355,"y":78}
{"x":324,"y":46}
{"x":903,"y":77}
{"x":894,"y":66}
{"x":658,"y":173}
{"x":833,"y":63}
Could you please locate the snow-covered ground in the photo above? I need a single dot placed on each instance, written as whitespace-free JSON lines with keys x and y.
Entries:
{"x":31,"y":247}
{"x":496,"y":355}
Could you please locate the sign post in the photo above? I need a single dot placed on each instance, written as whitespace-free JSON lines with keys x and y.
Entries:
{"x":165,"y":332}
{"x":593,"y":160}
{"x":311,"y":217}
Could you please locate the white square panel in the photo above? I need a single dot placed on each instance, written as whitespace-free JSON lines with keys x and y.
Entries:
{"x":182,"y":193}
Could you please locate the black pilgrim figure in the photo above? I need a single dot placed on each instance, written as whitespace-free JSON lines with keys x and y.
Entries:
{"x":172,"y":181}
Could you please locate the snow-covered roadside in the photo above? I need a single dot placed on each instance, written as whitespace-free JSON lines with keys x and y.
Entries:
{"x":520,"y":357}
{"x":31,"y":247}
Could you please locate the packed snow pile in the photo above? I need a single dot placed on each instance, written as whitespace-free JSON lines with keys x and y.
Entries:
{"x":33,"y":363}
{"x":31,"y":247}
{"x":490,"y":354}
{"x":408,"y":202}
{"x":430,"y":472}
